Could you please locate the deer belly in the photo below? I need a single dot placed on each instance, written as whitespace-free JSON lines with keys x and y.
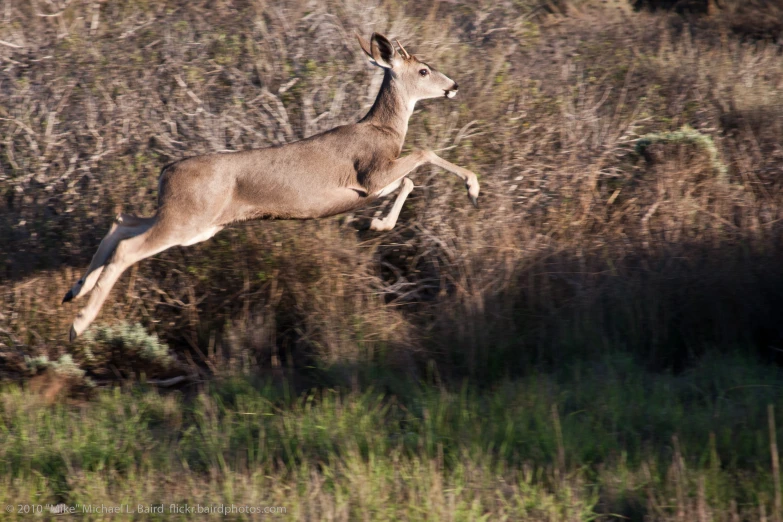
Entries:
{"x":203,"y":236}
{"x":338,"y":201}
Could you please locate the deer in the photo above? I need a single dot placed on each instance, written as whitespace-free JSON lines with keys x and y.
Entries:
{"x":334,"y":172}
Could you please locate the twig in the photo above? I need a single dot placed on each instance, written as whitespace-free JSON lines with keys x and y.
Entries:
{"x":9,"y":44}
{"x":165,"y":383}
{"x":58,"y":13}
{"x":190,"y":93}
{"x":96,"y":18}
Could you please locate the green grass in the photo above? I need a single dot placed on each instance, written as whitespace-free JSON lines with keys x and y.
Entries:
{"x":586,"y":441}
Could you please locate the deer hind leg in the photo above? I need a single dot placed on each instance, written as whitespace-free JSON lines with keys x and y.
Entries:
{"x":151,"y":237}
{"x":390,"y":220}
{"x":124,"y":226}
{"x":146,"y":242}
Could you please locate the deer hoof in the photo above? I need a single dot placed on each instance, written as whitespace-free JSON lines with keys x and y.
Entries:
{"x":72,"y":334}
{"x":68,"y":297}
{"x":378,"y":225}
{"x":474,"y":200}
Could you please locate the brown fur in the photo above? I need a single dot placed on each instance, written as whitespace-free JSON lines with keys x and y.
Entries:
{"x":327,"y":174}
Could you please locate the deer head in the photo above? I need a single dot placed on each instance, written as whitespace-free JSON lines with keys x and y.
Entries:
{"x":413,"y":79}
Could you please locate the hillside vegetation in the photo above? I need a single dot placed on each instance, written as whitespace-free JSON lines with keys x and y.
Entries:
{"x":600,"y":339}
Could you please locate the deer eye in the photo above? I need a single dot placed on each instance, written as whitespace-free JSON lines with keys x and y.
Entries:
{"x":423,"y":72}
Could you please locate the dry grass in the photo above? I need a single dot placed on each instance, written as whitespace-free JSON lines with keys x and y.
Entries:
{"x":587,"y":241}
{"x":575,"y":225}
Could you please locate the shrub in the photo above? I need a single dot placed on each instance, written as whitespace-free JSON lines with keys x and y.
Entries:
{"x":129,"y":344}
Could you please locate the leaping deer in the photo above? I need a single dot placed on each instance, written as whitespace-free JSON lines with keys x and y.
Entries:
{"x":336,"y":171}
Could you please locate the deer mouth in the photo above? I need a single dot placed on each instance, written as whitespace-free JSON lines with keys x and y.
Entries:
{"x":450,"y":93}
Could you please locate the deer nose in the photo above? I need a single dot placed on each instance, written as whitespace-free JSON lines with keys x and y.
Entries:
{"x":455,"y":87}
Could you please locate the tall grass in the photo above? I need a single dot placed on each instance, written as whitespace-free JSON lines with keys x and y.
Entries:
{"x":627,"y":247}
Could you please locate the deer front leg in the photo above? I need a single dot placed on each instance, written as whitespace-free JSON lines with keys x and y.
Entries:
{"x":390,"y":220}
{"x":404,"y":166}
{"x":470,"y":179}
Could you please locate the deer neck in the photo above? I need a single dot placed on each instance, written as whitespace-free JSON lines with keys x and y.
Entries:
{"x":391,"y":109}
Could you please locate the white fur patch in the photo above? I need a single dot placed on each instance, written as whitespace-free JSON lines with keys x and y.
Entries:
{"x":203,"y":236}
{"x":451,"y":94}
{"x":388,"y":189}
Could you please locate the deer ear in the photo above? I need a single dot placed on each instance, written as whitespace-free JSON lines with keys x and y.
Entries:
{"x":365,"y":45}
{"x":382,"y":51}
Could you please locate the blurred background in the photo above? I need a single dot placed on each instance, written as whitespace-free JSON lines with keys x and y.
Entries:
{"x":602,"y":338}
